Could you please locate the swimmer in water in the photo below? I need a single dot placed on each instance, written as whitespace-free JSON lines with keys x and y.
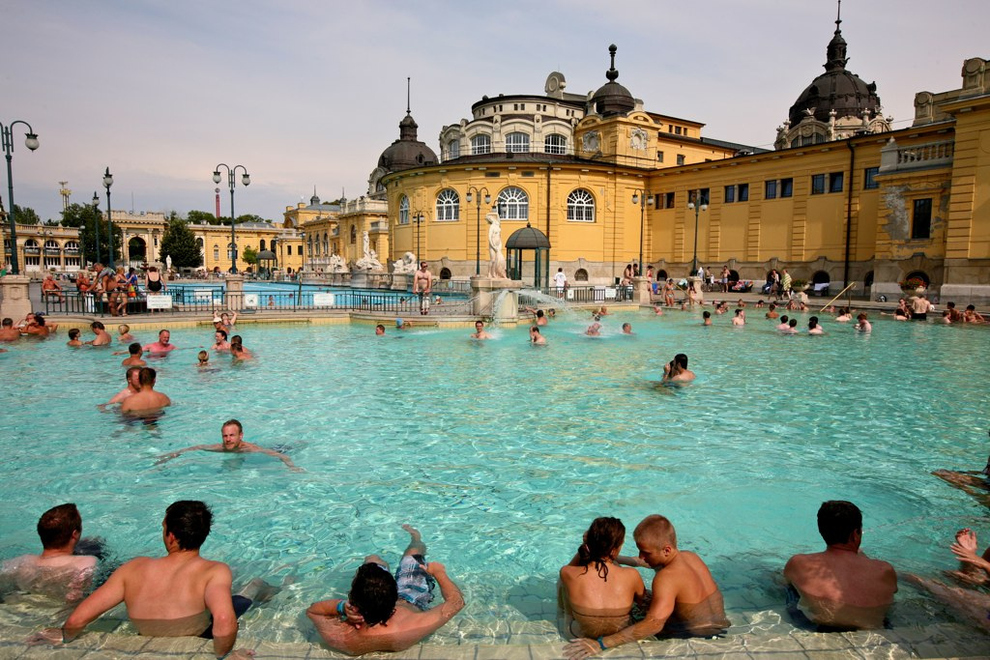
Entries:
{"x":161,"y":347}
{"x":204,"y":359}
{"x":676,"y":371}
{"x":379,"y":329}
{"x":862,"y":324}
{"x":124,"y":332}
{"x":232,"y":436}
{"x":146,"y":400}
{"x":135,"y":356}
{"x":237,"y":349}
{"x":479,"y":331}
{"x":133,"y":386}
{"x":535,"y":336}
{"x":707,"y":316}
{"x":220,"y":342}
{"x":627,"y":328}
{"x":594,"y":330}
{"x":74,"y":338}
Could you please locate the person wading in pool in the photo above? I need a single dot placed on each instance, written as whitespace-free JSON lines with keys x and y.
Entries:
{"x":841,"y":587}
{"x":385,"y":613}
{"x":232,"y":434}
{"x":133,"y":387}
{"x":57,"y":572}
{"x":685,"y":602}
{"x":178,"y":595}
{"x":162,"y":346}
{"x":146,"y":399}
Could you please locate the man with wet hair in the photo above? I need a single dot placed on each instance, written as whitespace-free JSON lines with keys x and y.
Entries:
{"x":7,"y":330}
{"x":178,"y":595}
{"x":146,"y":399}
{"x":686,"y":600}
{"x":385,"y":613}
{"x":57,"y":572}
{"x":840,"y":588}
{"x":232,"y":441}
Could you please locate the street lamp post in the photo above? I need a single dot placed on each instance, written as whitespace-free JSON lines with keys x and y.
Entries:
{"x":31,"y":142}
{"x":473,"y":190}
{"x":231,"y":180}
{"x":107,"y":182}
{"x":644,"y":198}
{"x":697,"y":205}
{"x":418,"y":218}
{"x":96,"y":212}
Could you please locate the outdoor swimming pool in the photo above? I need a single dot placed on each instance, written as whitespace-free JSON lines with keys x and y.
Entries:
{"x":502,"y":453}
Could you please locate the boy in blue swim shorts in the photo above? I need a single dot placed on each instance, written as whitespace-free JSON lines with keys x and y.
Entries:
{"x":386,"y":613}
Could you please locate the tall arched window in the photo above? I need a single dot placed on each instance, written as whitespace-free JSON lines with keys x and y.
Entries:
{"x":261,"y":245}
{"x":353,"y":234}
{"x":448,"y":206}
{"x":326,"y":243}
{"x":404,"y":210}
{"x":513,"y":204}
{"x":453,"y":149}
{"x":517,"y":143}
{"x":481,"y":144}
{"x":580,"y":206}
{"x":554,"y":144}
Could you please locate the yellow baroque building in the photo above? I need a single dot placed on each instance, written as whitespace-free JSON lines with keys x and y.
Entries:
{"x":843,"y":199}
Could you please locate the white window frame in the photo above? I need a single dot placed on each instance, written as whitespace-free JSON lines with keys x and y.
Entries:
{"x":555,"y":143}
{"x":481,"y":144}
{"x":448,"y":206}
{"x":513,"y":204}
{"x":580,"y":206}
{"x":404,"y":210}
{"x":517,"y":142}
{"x":454,"y":149}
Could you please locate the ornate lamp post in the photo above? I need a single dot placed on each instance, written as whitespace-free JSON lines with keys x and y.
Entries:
{"x":231,"y":181}
{"x":31,"y":142}
{"x":96,"y":211}
{"x":473,"y":190}
{"x":418,"y":219}
{"x":107,"y":182}
{"x":644,"y":198}
{"x":697,"y":206}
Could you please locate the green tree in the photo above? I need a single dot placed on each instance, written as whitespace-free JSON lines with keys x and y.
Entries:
{"x":201,"y":218}
{"x":77,"y":215}
{"x":179,"y":242}
{"x":87,"y":238}
{"x":25,"y":215}
{"x":249,"y":256}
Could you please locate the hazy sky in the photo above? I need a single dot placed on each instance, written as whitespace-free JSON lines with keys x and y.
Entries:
{"x":309,"y":92}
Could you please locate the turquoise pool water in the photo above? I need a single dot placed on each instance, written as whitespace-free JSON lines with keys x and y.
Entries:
{"x":502,"y":453}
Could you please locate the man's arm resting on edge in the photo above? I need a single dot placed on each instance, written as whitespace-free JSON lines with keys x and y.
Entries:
{"x":221,"y":607}
{"x":106,"y":597}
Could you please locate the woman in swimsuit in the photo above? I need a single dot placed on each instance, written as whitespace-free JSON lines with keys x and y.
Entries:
{"x":596,"y":594}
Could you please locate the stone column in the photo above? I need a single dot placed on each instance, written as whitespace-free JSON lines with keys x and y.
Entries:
{"x":235,"y":292}
{"x":14,"y":300}
{"x":641,"y":291}
{"x":496,"y":298}
{"x":695,"y":283}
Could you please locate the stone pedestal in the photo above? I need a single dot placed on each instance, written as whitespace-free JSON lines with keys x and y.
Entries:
{"x":695,"y":283}
{"x":364,"y":279}
{"x":401,"y":281}
{"x":235,"y":292}
{"x":498,"y":299}
{"x":641,"y":291}
{"x":14,"y":300}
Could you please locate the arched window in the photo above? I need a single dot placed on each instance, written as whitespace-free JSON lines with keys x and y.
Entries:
{"x":404,"y":210}
{"x":216,"y":253}
{"x":481,"y":144}
{"x":448,"y":206}
{"x":261,"y":246}
{"x":821,"y":277}
{"x":580,"y":275}
{"x":517,"y":143}
{"x":580,"y":206}
{"x":513,"y":204}
{"x":921,"y":275}
{"x":453,"y":149}
{"x":199,"y":244}
{"x":444,"y":273}
{"x":661,"y":275}
{"x":353,"y":234}
{"x":230,"y":250}
{"x":554,"y":144}
{"x":326,"y":243}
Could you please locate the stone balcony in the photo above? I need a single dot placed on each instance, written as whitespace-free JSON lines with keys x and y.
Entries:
{"x":895,"y":158}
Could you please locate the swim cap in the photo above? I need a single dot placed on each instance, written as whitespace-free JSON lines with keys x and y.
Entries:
{"x":398,"y":323}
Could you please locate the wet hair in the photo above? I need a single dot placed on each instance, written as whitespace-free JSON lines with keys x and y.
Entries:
{"x":738,"y":312}
{"x":134,"y":349}
{"x":783,"y":319}
{"x":373,"y":592}
{"x":74,"y":333}
{"x":539,"y":314}
{"x":7,"y":322}
{"x":813,"y":322}
{"x":681,"y":360}
{"x":773,"y":306}
{"x":604,"y":537}
{"x":163,"y":330}
{"x":96,"y":325}
{"x":970,"y":308}
{"x":223,"y":333}
{"x":124,"y":328}
{"x":837,"y":520}
{"x":148,"y":376}
{"x":233,"y":422}
{"x":203,"y":354}
{"x":236,"y":339}
{"x":130,"y":372}
{"x":706,"y":314}
{"x":189,"y":522}
{"x":792,"y":323}
{"x":950,"y":305}
{"x":380,"y":327}
{"x":534,"y":328}
{"x":861,"y":317}
{"x":55,"y":527}
{"x":656,"y":531}
{"x":39,"y":319}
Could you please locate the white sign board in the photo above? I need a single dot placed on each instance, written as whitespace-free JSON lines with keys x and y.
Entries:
{"x":322,"y":300}
{"x":610,"y":293}
{"x":203,"y":295}
{"x":251,"y":300}
{"x":159,"y":301}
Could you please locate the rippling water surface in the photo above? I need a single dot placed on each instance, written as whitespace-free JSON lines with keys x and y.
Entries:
{"x":502,"y":453}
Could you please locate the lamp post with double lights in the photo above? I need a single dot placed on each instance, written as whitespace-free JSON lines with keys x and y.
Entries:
{"x":31,"y":142}
{"x":474,"y":190}
{"x":231,"y":181}
{"x":418,"y":219}
{"x":697,"y":205}
{"x":107,"y":182}
{"x":96,"y":213}
{"x":644,"y":198}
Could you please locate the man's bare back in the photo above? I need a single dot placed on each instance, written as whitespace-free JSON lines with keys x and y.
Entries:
{"x":62,"y":577}
{"x":843,"y":588}
{"x":145,"y":401}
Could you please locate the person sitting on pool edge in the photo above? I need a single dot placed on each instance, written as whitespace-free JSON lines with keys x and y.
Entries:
{"x":686,"y":601}
{"x":591,"y":603}
{"x":178,"y":595}
{"x":385,"y":613}
{"x":840,"y":588}
{"x":232,"y":441}
{"x":57,"y":572}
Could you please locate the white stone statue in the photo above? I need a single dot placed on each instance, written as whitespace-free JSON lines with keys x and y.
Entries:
{"x":168,"y":262}
{"x":496,"y":262}
{"x":406,"y":265}
{"x":337,"y":264}
{"x":369,"y":262}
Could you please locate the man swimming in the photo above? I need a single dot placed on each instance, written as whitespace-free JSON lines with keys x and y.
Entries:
{"x":479,"y":331}
{"x":146,"y":399}
{"x":134,"y":356}
{"x":232,"y":441}
{"x":385,"y":613}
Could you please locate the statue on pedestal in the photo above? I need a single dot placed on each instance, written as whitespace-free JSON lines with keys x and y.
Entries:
{"x":496,"y":262}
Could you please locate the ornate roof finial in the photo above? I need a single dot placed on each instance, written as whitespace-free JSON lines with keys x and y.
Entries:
{"x":835,"y":57}
{"x":838,"y":17}
{"x":612,"y":73}
{"x":408,"y":106}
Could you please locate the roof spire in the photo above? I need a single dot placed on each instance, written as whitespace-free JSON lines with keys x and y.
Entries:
{"x":835,"y":54}
{"x":408,"y":105}
{"x":838,"y":16}
{"x":612,"y":73}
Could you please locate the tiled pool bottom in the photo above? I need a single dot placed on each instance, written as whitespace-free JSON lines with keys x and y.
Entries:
{"x":532,"y":640}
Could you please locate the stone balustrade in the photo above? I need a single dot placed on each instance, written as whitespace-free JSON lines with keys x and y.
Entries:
{"x":895,"y":158}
